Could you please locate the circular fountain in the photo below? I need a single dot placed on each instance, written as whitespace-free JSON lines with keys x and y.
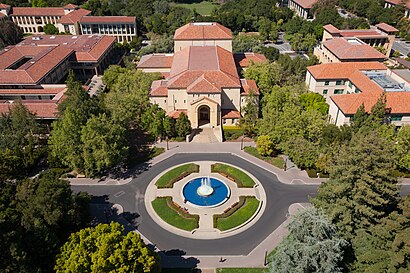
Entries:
{"x":206,"y":192}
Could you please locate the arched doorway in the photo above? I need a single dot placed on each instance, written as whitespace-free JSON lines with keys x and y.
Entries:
{"x":40,"y":29}
{"x":203,"y":115}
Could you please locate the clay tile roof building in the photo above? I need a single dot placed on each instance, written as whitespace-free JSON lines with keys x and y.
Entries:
{"x":302,"y":7}
{"x":399,"y":2}
{"x":108,"y":19}
{"x":203,"y":31}
{"x":4,"y":6}
{"x":70,"y":6}
{"x":22,"y":11}
{"x":387,"y":28}
{"x":307,"y":4}
{"x":74,"y":16}
{"x":201,"y":78}
{"x":347,"y":50}
{"x":243,"y":60}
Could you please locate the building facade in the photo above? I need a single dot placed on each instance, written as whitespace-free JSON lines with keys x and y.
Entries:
{"x":71,"y":19}
{"x":302,"y":8}
{"x":201,"y":78}
{"x":392,"y":3}
{"x":346,"y":86}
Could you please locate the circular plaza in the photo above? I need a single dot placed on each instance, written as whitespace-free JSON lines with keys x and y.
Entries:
{"x":205,"y":200}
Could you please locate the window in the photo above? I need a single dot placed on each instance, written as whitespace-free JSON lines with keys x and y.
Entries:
{"x":184,"y":101}
{"x":175,"y":101}
{"x":350,"y":84}
{"x":358,"y":90}
{"x":340,"y":82}
{"x":326,"y":82}
{"x":325,"y":91}
{"x":396,"y":118}
{"x":338,"y":91}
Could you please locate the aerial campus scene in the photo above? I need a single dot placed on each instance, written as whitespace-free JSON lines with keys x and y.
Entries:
{"x":187,"y":136}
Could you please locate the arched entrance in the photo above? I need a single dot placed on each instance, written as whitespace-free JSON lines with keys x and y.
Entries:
{"x":203,"y":115}
{"x":40,"y":29}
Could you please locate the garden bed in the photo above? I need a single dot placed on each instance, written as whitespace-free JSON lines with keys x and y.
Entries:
{"x":238,"y":214}
{"x":239,"y":177}
{"x":174,"y":214}
{"x":168,"y":179}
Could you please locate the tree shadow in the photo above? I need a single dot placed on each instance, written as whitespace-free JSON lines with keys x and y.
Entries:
{"x":174,"y":259}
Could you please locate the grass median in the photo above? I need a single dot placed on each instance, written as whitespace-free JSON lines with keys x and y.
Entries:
{"x":275,"y":161}
{"x":239,"y":177}
{"x":168,"y":179}
{"x":174,"y":215}
{"x":237,"y":215}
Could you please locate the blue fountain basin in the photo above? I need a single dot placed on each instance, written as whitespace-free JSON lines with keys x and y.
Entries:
{"x":220,"y":194}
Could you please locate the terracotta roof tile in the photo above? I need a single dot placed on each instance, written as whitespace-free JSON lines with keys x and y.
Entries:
{"x":202,"y":85}
{"x":70,"y":6}
{"x":39,"y":91}
{"x":245,"y":59}
{"x":4,"y":6}
{"x":19,"y":11}
{"x":398,"y":102}
{"x":331,"y":29}
{"x":107,"y":19}
{"x":74,"y":16}
{"x":386,"y":27}
{"x":361,"y":33}
{"x":397,"y":2}
{"x":203,"y":31}
{"x":249,"y":86}
{"x":159,"y":88}
{"x":307,"y":4}
{"x":230,"y":114}
{"x":175,"y":114}
{"x":156,"y":61}
{"x":354,"y":50}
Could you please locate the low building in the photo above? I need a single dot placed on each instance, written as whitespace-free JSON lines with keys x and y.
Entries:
{"x":71,"y":19}
{"x":338,"y":50}
{"x":302,"y":7}
{"x":346,"y":86}
{"x":392,"y":3}
{"x":201,"y":78}
{"x":381,"y":35}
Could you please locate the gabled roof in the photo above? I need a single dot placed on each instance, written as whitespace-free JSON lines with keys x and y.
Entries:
{"x":202,"y":85}
{"x":203,"y":31}
{"x":213,"y":63}
{"x":245,"y":59}
{"x":398,"y":102}
{"x":70,"y":6}
{"x":107,"y":19}
{"x":175,"y":114}
{"x":249,"y":86}
{"x":307,"y":4}
{"x":230,"y":114}
{"x":4,"y":6}
{"x":203,"y":98}
{"x":156,"y":61}
{"x":159,"y":88}
{"x":352,"y":49}
{"x":386,"y":27}
{"x":74,"y":16}
{"x":19,"y":11}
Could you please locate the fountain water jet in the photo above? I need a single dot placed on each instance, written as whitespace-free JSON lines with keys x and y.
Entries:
{"x":206,"y":188}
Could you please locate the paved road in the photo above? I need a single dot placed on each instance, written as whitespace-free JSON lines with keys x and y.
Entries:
{"x":402,"y":46}
{"x":279,"y":197}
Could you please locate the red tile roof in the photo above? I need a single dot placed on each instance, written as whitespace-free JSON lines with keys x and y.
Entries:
{"x":202,"y":85}
{"x":18,"y":11}
{"x":331,"y":29}
{"x":230,"y":114}
{"x":4,"y":6}
{"x":364,"y":33}
{"x":213,"y":63}
{"x":70,"y":6}
{"x":307,"y":4}
{"x":40,"y":91}
{"x":245,"y":59}
{"x":159,"y":89}
{"x":397,"y":2}
{"x":386,"y":27}
{"x":344,"y":50}
{"x":175,"y":114}
{"x":107,"y":19}
{"x":74,"y":16}
{"x":398,"y":102}
{"x":248,"y":87}
{"x":203,"y":31}
{"x":156,"y":61}
{"x":2,"y":15}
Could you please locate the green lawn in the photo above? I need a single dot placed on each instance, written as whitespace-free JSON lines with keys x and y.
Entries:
{"x":240,"y":216}
{"x":174,"y":216}
{"x":168,"y":179}
{"x":204,"y":8}
{"x":242,"y":179}
{"x":241,"y":270}
{"x":275,"y":161}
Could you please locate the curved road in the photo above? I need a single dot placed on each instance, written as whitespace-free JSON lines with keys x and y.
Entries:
{"x":279,"y":197}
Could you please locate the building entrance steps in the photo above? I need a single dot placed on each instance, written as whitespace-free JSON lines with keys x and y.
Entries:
{"x":205,"y":135}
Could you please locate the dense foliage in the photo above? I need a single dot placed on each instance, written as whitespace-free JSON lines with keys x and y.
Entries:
{"x":10,"y":33}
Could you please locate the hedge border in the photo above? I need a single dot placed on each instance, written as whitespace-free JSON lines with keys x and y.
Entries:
{"x":179,"y":177}
{"x":233,"y":179}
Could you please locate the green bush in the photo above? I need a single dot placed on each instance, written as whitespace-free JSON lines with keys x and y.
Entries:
{"x":264,"y":145}
{"x":239,"y":177}
{"x":232,"y":134}
{"x":312,"y":173}
{"x":168,"y":179}
{"x":175,"y":215}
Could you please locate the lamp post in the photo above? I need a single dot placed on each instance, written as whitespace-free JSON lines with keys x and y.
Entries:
{"x":243,"y":135}
{"x":265,"y":261}
{"x":167,"y":143}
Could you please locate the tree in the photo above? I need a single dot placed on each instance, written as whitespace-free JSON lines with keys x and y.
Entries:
{"x":361,"y":189}
{"x":111,"y":75}
{"x":250,"y":114}
{"x":10,"y":33}
{"x":314,"y":101}
{"x":183,"y":125}
{"x":312,"y":245}
{"x":403,"y":147}
{"x":105,"y":248}
{"x":50,"y":29}
{"x":264,"y":145}
{"x":359,"y":118}
{"x":104,"y":144}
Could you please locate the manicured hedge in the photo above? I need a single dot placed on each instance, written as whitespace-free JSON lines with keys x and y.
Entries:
{"x":238,"y":215}
{"x":168,"y":179}
{"x":239,"y":177}
{"x":175,"y":215}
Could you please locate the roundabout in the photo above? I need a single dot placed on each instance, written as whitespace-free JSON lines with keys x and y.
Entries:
{"x":133,"y":198}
